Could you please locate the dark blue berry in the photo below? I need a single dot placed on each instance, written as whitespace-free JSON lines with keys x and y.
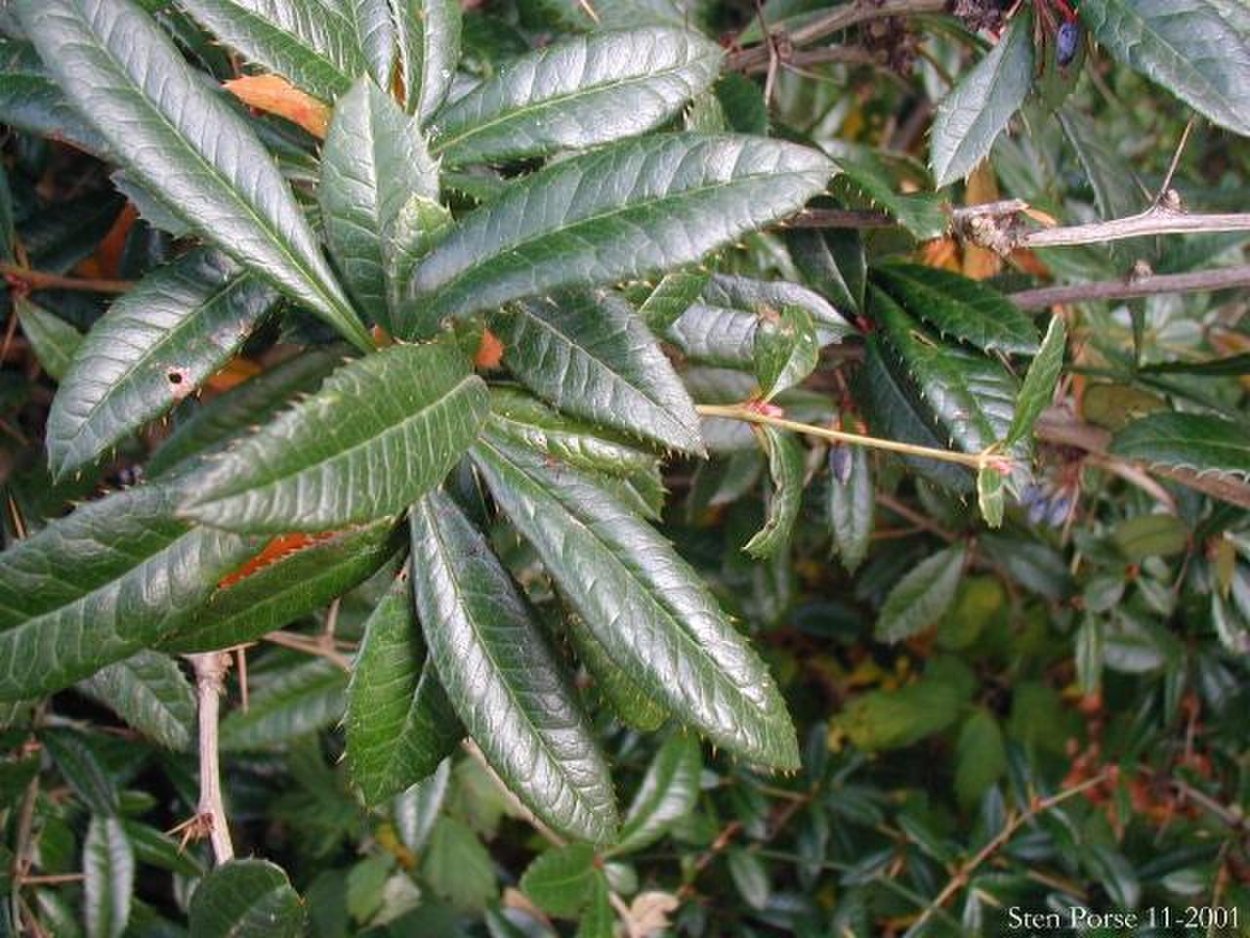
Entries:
{"x":1067,"y":41}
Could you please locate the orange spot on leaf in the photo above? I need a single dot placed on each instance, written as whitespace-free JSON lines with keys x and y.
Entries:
{"x":489,"y":351}
{"x":277,"y":549}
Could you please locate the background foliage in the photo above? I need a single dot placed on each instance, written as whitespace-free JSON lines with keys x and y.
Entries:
{"x":635,"y":449}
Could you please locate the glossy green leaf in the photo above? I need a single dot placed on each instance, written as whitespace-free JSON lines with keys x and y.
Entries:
{"x":374,"y":161}
{"x":429,"y":48}
{"x":567,"y":439}
{"x":1229,"y":365}
{"x":671,"y":297}
{"x":52,"y":339}
{"x":958,"y":307}
{"x":108,"y":864}
{"x":501,"y":677}
{"x":991,"y":495}
{"x":852,"y":508}
{"x":285,"y":589}
{"x":180,"y":139}
{"x":148,"y":691}
{"x":724,"y":325}
{"x":138,"y":574}
{"x":970,"y":118}
{"x":590,"y":355}
{"x":298,"y":700}
{"x":559,"y":879}
{"x":400,"y":725}
{"x":787,"y":350}
{"x":246,"y":897}
{"x":922,"y":596}
{"x":217,"y":422}
{"x":1194,"y":49}
{"x":577,"y":93}
{"x":377,"y":35}
{"x":154,"y":347}
{"x":311,"y":43}
{"x":785,"y":466}
{"x":31,"y":101}
{"x":1199,"y":442}
{"x":648,"y":608}
{"x":750,"y":877}
{"x":668,"y":793}
{"x":153,"y":848}
{"x":1117,"y":192}
{"x":867,"y":175}
{"x":619,"y":212}
{"x":896,"y":411}
{"x":970,"y":396}
{"x":72,"y":753}
{"x":418,"y":807}
{"x":1037,"y":391}
{"x":632,"y":705}
{"x":457,"y":867}
{"x":832,"y":261}
{"x":381,"y":431}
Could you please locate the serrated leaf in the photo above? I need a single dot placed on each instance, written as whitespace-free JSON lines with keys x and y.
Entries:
{"x":71,"y":752}
{"x":1117,"y":192}
{"x":400,"y":725}
{"x":630,"y":703}
{"x":668,"y":793}
{"x":959,"y":307}
{"x":374,"y":161}
{"x":865,"y":173}
{"x":649,"y":609}
{"x":620,"y":212}
{"x":852,"y":509}
{"x":896,"y":411}
{"x":216,"y":422}
{"x":832,"y":261}
{"x":590,"y":355}
{"x":52,"y":339}
{"x":457,"y":866}
{"x":723,"y":325}
{"x":429,"y":48}
{"x":155,"y":346}
{"x":501,"y":677}
{"x":149,"y":692}
{"x":577,"y":93}
{"x":922,"y":596}
{"x":1199,"y":442}
{"x":299,"y":700}
{"x":181,"y":140}
{"x":991,"y":495}
{"x":108,"y":864}
{"x":381,"y":431}
{"x":377,"y":35}
{"x":246,"y":897}
{"x":671,"y":297}
{"x":138,"y":575}
{"x":559,"y":879}
{"x":969,"y":395}
{"x":31,"y":101}
{"x":970,"y":118}
{"x":565,"y":438}
{"x":787,"y":350}
{"x":269,"y":592}
{"x":785,"y":466}
{"x":1192,"y":48}
{"x":152,"y":848}
{"x":1038,"y":388}
{"x":311,"y":43}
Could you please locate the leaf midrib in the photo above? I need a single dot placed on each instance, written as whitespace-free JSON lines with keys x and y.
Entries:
{"x":432,"y":525}
{"x":134,"y":89}
{"x":555,"y":101}
{"x":396,"y":428}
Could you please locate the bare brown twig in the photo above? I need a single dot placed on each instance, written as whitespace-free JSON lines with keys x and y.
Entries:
{"x":41,"y":280}
{"x":210,"y":675}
